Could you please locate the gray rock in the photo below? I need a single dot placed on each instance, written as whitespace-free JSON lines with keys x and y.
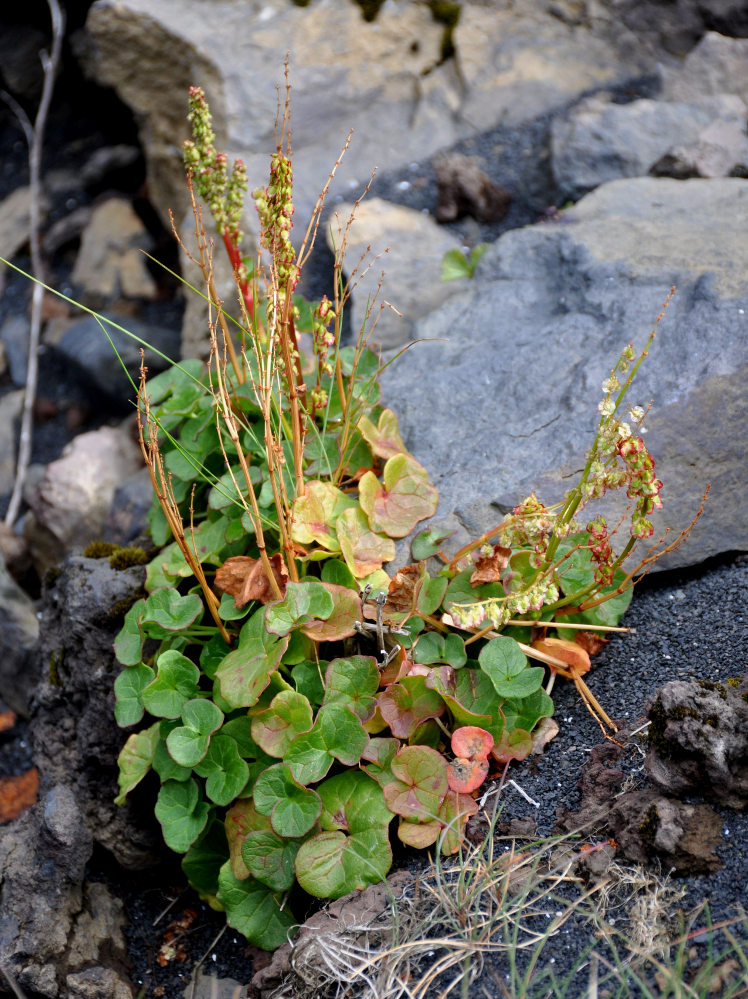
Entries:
{"x":385,"y":79}
{"x":11,"y":405}
{"x":15,"y":336}
{"x":212,"y":987}
{"x":721,"y":150}
{"x":14,"y":222}
{"x":600,"y":141}
{"x":19,"y":631}
{"x":508,"y":403}
{"x":43,"y":855}
{"x":408,"y":247}
{"x":75,"y":739}
{"x":717,"y":65}
{"x":698,"y":741}
{"x":72,"y":502}
{"x":111,"y":263}
{"x":97,"y":983}
{"x":86,"y":346}
{"x":463,"y":188}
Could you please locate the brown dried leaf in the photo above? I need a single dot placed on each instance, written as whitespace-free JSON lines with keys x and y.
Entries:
{"x":7,"y":720}
{"x":17,"y":794}
{"x":244,"y":578}
{"x":489,"y":568}
{"x":591,"y":641}
{"x":546,"y":730}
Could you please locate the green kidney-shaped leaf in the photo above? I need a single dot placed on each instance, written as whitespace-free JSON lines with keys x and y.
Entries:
{"x":504,"y":662}
{"x":526,"y":712}
{"x":205,"y":858}
{"x":420,"y":783}
{"x":245,"y":672}
{"x":128,"y":645}
{"x":353,"y":850}
{"x":270,"y":859}
{"x":405,"y":498}
{"x":293,"y":809}
{"x":514,"y":745}
{"x":274,"y":729}
{"x":337,"y":733}
{"x":353,"y":682}
{"x":302,"y":603}
{"x":168,"y":610}
{"x":182,"y":814}
{"x":128,"y":691}
{"x":174,"y":685}
{"x":241,"y":819}
{"x":428,"y":542}
{"x":188,"y":743}
{"x":226,"y":772}
{"x":163,"y":764}
{"x":405,"y":705}
{"x":363,"y":549}
{"x":135,"y":760}
{"x":252,"y":909}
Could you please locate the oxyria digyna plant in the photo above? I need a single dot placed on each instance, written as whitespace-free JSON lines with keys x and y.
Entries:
{"x":298,"y":704}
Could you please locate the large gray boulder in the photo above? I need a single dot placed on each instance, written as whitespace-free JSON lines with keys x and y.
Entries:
{"x":385,"y":78}
{"x":508,"y":401}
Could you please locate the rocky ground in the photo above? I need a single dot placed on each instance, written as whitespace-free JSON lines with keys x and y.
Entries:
{"x":613,"y":168}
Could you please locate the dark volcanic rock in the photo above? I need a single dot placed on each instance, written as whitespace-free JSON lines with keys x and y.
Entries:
{"x":699,"y":741}
{"x":75,"y":739}
{"x":464,"y":189}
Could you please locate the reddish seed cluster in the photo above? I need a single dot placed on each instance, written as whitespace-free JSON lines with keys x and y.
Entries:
{"x":643,"y":486}
{"x":601,"y":551}
{"x":275,"y":208}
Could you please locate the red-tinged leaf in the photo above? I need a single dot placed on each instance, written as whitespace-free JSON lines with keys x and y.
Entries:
{"x":568,"y":652}
{"x":316,"y":512}
{"x":363,"y":549}
{"x":420,"y":783}
{"x":342,"y":622}
{"x":466,"y":775}
{"x":17,"y":794}
{"x":405,"y":705}
{"x":406,"y":497}
{"x":516,"y":745}
{"x":396,"y":668}
{"x":456,"y":809}
{"x":472,"y":742}
{"x":490,"y":568}
{"x":242,"y":819}
{"x":245,"y":579}
{"x":418,"y":834}
{"x":384,"y":439}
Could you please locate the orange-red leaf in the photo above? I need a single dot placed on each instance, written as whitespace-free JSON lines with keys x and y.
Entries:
{"x":17,"y":794}
{"x":466,"y":775}
{"x":472,"y":742}
{"x":568,"y":652}
{"x":244,"y":578}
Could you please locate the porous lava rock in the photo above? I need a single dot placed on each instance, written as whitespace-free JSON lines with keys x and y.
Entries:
{"x":75,"y":739}
{"x":464,"y":189}
{"x":698,"y":739}
{"x":54,"y":926}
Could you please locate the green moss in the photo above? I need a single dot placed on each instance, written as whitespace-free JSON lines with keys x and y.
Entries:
{"x":55,"y":664}
{"x":734,"y":681}
{"x":51,"y":576}
{"x":124,"y":558}
{"x":446,"y":13}
{"x":116,"y":613}
{"x":649,"y":826}
{"x":715,"y":688}
{"x":370,"y":9}
{"x":99,"y":549}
